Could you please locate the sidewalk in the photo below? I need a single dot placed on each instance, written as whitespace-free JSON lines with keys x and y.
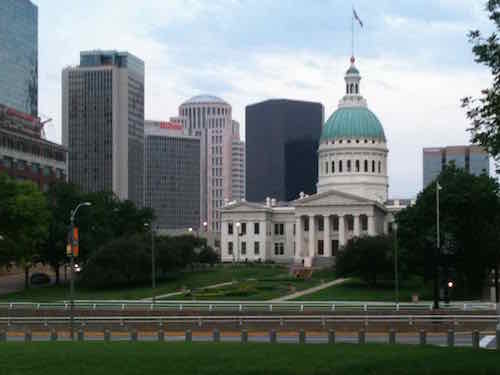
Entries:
{"x":309,"y":291}
{"x":173,"y":294}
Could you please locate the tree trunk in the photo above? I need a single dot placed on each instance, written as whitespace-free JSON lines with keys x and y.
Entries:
{"x":26,"y":277}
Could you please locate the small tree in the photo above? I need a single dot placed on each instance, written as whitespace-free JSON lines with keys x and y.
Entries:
{"x":369,"y":258}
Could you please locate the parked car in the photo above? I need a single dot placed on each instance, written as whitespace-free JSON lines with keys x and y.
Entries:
{"x":40,"y":278}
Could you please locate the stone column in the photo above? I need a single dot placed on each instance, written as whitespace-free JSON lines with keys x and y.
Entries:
{"x":357,"y":230}
{"x":341,"y":231}
{"x":312,"y":237}
{"x":298,"y":237}
{"x":327,"y":241}
{"x":371,"y":225}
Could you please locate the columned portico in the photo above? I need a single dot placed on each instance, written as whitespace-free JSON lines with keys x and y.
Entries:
{"x":326,"y":236}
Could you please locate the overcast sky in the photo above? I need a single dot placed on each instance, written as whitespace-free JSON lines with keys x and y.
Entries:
{"x":413,"y":55}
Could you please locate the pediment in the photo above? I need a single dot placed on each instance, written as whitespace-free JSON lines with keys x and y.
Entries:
{"x":332,"y":198}
{"x":243,"y":206}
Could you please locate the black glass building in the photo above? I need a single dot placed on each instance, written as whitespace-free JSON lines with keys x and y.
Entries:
{"x":19,"y":55}
{"x":282,"y":138}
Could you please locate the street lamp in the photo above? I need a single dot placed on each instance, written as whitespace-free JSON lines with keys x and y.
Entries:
{"x":238,"y":225}
{"x":396,"y":275}
{"x":437,"y":253}
{"x":153,"y":260}
{"x":72,"y":267}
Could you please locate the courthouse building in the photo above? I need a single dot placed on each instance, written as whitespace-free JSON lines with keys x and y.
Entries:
{"x":351,"y":197}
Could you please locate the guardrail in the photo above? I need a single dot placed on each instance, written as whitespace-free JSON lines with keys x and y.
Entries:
{"x":246,"y":306}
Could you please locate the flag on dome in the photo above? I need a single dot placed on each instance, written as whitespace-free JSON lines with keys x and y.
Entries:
{"x":356,"y":17}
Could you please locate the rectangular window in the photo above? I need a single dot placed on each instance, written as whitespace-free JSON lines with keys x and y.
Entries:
{"x":335,"y":223}
{"x":282,"y":229}
{"x":364,"y":222}
{"x":279,"y":248}
{"x":306,"y":225}
{"x":282,"y":248}
{"x":321,"y":224}
{"x":276,"y":248}
{"x":279,"y":229}
{"x":350,"y":223}
{"x":348,"y":165}
{"x":243,"y":228}
{"x":230,"y":248}
{"x":340,"y":166}
{"x":230,"y":228}
{"x":243,"y":248}
{"x":256,"y":228}
{"x":320,"y":247}
{"x":276,"y":229}
{"x":256,"y":248}
{"x":357,"y":165}
{"x":333,"y":167}
{"x":326,"y":167}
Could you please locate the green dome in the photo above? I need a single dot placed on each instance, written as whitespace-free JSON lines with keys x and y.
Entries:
{"x":352,"y":70}
{"x":353,"y":123}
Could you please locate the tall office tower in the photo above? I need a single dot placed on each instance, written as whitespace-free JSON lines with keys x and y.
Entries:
{"x":209,"y":118}
{"x":172,"y":175}
{"x":103,"y":123}
{"x":238,"y":164}
{"x":282,"y":138}
{"x":19,"y":55}
{"x":473,"y":159}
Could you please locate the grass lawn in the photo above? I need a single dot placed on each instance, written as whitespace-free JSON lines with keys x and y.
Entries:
{"x":222,"y":358}
{"x":356,"y":290}
{"x":275,"y":276}
{"x":264,"y":288}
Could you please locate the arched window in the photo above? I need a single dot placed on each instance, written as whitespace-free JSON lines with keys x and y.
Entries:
{"x":366,"y":165}
{"x":373,"y":166}
{"x":379,"y":167}
{"x":333,"y":167}
{"x":347,"y":88}
{"x":326,"y":167}
{"x":352,"y":88}
{"x":348,"y":165}
{"x":357,"y":88}
{"x":357,"y":165}
{"x":340,"y":166}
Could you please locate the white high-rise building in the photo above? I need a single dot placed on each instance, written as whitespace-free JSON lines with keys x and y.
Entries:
{"x":210,"y":118}
{"x":103,"y":123}
{"x":238,"y":164}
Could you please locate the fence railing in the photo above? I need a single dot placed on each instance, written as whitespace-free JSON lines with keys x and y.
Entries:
{"x":247,"y":306}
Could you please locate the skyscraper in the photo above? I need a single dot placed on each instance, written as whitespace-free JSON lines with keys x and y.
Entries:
{"x":473,"y":159}
{"x":210,"y":118}
{"x":103,"y":123}
{"x":238,"y":164}
{"x":172,"y":175}
{"x":282,"y":138}
{"x":19,"y":55}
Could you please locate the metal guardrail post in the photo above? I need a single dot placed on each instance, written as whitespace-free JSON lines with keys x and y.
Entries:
{"x":188,"y":336}
{"x":161,"y":335}
{"x":475,"y":339}
{"x":244,"y":336}
{"x":28,"y":336}
{"x":216,"y":335}
{"x":53,"y":335}
{"x":3,"y":335}
{"x":392,"y":336}
{"x":331,"y":336}
{"x":107,"y":335}
{"x":272,"y":336}
{"x":81,"y":335}
{"x":361,"y":336}
{"x":451,"y":338}
{"x":133,"y":335}
{"x":423,"y":337}
{"x":302,"y":336}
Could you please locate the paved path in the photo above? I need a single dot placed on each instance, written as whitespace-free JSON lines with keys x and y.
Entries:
{"x":310,"y":290}
{"x":173,"y":294}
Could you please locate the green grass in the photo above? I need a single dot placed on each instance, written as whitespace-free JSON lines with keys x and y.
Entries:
{"x":273,"y":282}
{"x":356,"y":290}
{"x":202,"y":358}
{"x":263,"y":288}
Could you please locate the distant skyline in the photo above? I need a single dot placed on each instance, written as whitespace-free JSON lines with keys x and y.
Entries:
{"x":414,"y":57}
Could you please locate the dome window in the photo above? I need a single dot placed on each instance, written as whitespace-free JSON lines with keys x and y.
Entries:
{"x":333,"y":167}
{"x":366,"y":166}
{"x":373,"y":166}
{"x":340,"y":166}
{"x":340,"y":141}
{"x":348,"y":141}
{"x":348,"y":165}
{"x":326,"y":167}
{"x":366,"y":140}
{"x":357,"y":140}
{"x":373,"y":141}
{"x":379,"y":167}
{"x":357,"y":165}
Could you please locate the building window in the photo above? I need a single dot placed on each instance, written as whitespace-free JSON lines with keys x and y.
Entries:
{"x":335,"y":247}
{"x":243,"y":248}
{"x":256,"y":248}
{"x":243,"y":228}
{"x":306,"y":225}
{"x":230,"y":248}
{"x":348,"y":165}
{"x":350,"y":223}
{"x":333,"y":167}
{"x":320,"y":247}
{"x":279,"y":229}
{"x":279,"y":248}
{"x":366,"y":164}
{"x":340,"y":166}
{"x":321,"y":224}
{"x":230,"y":228}
{"x":379,"y":167}
{"x":373,"y":166}
{"x":256,"y":228}
{"x":336,"y":223}
{"x":364,"y":222}
{"x":326,"y":167}
{"x":357,"y":165}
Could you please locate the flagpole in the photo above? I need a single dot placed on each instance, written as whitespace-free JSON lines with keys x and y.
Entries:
{"x":352,"y":32}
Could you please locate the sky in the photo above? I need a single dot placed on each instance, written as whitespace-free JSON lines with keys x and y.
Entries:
{"x":414,"y":57}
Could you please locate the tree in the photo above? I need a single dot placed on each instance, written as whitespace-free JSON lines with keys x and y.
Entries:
{"x":469,"y":211}
{"x":25,"y":219}
{"x":484,"y":112}
{"x":369,"y":258}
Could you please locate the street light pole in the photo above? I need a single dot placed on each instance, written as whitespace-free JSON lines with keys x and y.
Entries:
{"x":72,"y":267}
{"x":437,"y":252}
{"x":153,"y":261}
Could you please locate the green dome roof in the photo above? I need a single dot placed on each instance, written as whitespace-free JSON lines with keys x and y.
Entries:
{"x":353,"y":123}
{"x":352,"y":70}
